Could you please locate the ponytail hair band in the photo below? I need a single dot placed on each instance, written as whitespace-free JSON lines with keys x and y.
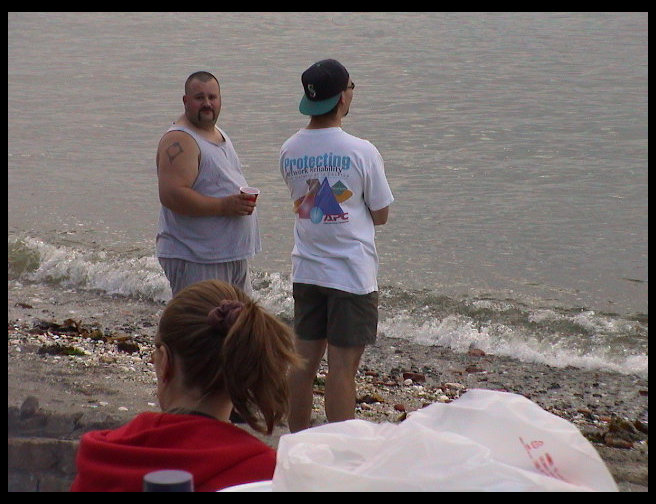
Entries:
{"x":223,"y":316}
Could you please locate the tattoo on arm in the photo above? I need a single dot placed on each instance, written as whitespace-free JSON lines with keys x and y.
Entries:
{"x":173,"y":151}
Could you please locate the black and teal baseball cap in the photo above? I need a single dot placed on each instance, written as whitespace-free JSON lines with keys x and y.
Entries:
{"x":323,"y":83}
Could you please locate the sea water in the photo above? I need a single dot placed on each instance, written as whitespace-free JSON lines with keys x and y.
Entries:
{"x":516,"y":146}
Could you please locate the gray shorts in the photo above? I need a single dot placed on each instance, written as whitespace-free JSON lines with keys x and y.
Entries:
{"x":343,"y":318}
{"x":181,"y":273}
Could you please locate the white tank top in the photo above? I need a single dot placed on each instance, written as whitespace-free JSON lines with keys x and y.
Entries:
{"x":210,"y":239}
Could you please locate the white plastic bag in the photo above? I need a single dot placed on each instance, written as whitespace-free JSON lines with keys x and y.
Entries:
{"x":484,"y":441}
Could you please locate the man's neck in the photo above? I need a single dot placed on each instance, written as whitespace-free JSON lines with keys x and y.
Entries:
{"x":207,"y":128}
{"x":211,"y":132}
{"x":319,"y":122}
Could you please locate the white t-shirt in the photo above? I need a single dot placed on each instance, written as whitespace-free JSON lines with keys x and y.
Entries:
{"x":334,"y":179}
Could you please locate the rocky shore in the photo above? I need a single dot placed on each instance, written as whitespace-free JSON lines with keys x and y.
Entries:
{"x":82,"y":361}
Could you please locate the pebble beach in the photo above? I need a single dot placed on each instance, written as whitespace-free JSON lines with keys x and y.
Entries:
{"x":81,"y":351}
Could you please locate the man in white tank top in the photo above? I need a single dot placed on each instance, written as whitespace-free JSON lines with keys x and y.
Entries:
{"x":207,"y":228}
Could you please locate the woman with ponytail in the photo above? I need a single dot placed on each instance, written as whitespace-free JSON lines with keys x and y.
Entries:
{"x":215,"y":350}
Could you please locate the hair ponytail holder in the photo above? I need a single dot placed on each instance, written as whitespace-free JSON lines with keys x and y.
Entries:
{"x":224,"y":315}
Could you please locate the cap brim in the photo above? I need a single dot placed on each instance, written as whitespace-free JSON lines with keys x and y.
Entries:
{"x":312,"y":108}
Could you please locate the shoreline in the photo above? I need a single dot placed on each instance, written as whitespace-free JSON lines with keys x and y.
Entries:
{"x":114,"y":377}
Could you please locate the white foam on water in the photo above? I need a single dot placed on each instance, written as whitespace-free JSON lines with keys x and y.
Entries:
{"x":96,"y":270}
{"x":582,"y":338}
{"x":460,"y":333}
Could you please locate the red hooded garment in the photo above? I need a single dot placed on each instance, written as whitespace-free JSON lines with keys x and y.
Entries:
{"x":218,"y":454}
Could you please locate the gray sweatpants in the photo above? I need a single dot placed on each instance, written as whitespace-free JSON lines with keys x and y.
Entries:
{"x":181,"y":273}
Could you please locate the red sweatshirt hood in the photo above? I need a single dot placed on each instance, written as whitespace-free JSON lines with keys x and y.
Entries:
{"x":218,"y":454}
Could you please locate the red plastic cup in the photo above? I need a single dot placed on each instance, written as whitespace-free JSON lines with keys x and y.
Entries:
{"x":253,"y":192}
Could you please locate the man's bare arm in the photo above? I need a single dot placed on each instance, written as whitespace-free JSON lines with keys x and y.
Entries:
{"x":177,"y":170}
{"x":380,"y":216}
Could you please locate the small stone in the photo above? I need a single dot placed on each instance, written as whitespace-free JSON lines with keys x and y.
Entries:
{"x":415,"y":377}
{"x":641,"y":426}
{"x":96,"y":335}
{"x":586,"y":413}
{"x":620,"y":425}
{"x":616,"y":442}
{"x":399,"y":407}
{"x":127,"y":346}
{"x":371,"y":398}
{"x":29,"y":407}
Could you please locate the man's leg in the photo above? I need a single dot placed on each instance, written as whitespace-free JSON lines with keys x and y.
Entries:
{"x":181,"y":273}
{"x":340,"y":395}
{"x":352,"y":324}
{"x":301,"y":380}
{"x":174,"y":269}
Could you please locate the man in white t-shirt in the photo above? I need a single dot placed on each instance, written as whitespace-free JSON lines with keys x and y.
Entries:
{"x":339,"y":191}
